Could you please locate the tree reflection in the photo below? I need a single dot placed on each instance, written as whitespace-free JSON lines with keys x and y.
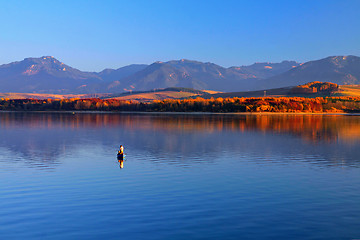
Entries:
{"x":311,"y":128}
{"x":43,"y":137}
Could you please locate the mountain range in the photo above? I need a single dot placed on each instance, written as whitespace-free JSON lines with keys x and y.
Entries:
{"x":48,"y":75}
{"x":342,"y":70}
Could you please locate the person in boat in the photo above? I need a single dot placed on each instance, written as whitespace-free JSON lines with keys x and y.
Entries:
{"x":120,"y":154}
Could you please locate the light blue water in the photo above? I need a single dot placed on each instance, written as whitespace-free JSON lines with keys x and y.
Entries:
{"x":184,"y":177}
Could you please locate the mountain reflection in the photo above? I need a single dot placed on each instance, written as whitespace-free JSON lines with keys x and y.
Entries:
{"x":43,"y":137}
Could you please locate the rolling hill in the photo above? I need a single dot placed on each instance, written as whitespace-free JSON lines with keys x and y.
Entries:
{"x":311,"y":90}
{"x":142,"y":96}
{"x":167,"y":93}
{"x":48,"y":96}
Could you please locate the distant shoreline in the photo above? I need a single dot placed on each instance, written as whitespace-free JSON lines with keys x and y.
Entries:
{"x":185,"y":113}
{"x":263,"y":105}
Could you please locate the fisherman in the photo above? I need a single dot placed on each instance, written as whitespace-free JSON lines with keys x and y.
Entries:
{"x":120,"y":154}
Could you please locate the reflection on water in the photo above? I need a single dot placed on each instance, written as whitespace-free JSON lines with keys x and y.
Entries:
{"x":184,"y":177}
{"x":310,"y":127}
{"x":42,"y":137}
{"x":121,"y":163}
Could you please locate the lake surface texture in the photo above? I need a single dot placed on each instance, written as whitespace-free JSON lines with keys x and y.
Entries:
{"x":184,"y":177}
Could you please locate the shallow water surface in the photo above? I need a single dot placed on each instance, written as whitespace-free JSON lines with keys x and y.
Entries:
{"x":184,"y":177}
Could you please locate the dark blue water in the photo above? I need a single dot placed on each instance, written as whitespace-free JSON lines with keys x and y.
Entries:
{"x":184,"y":177}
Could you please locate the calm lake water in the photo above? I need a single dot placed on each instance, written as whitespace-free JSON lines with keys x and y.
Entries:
{"x":184,"y":177}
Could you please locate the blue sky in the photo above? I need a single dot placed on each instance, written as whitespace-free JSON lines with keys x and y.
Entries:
{"x":93,"y":35}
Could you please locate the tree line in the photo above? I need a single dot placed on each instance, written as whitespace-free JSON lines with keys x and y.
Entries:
{"x":260,"y":104}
